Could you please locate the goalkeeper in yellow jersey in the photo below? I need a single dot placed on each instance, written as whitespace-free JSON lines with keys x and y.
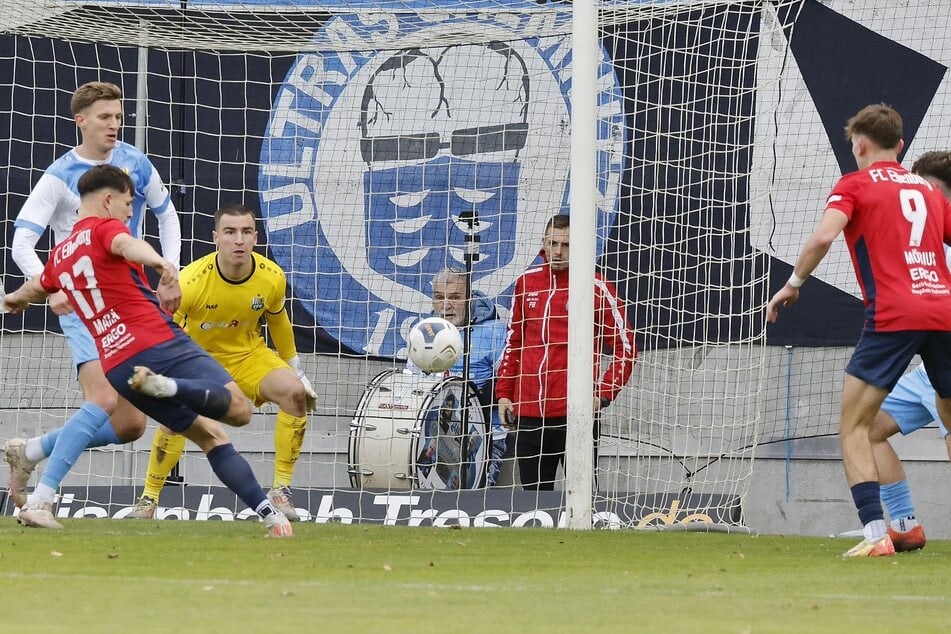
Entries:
{"x":226,"y":296}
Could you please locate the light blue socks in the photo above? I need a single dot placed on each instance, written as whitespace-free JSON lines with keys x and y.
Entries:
{"x":71,"y":440}
{"x":897,"y":500}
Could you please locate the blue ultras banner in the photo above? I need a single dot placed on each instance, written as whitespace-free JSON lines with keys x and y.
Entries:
{"x":362,"y":199}
{"x":373,"y":160}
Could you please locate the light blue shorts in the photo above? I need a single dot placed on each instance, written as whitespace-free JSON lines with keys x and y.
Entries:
{"x":912,"y":402}
{"x":80,"y":342}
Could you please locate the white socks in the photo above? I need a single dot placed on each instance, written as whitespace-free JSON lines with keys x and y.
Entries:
{"x":874,"y":530}
{"x":34,"y":450}
{"x":42,"y":493}
{"x":904,"y":524}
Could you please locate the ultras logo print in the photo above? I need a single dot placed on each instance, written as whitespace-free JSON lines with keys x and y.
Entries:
{"x":376,"y":162}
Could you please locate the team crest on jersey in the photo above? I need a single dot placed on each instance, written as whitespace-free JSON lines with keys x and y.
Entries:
{"x":375,"y":162}
{"x":257,"y":303}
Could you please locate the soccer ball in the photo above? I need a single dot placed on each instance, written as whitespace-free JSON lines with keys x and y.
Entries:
{"x":434,"y":345}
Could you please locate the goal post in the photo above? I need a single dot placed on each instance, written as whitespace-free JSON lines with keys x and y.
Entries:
{"x":579,"y":442}
{"x":373,"y":136}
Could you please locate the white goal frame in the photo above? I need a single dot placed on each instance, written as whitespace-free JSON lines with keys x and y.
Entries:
{"x":698,"y":359}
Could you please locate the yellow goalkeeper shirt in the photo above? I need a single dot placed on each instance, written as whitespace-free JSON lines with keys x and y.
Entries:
{"x":225,"y":317}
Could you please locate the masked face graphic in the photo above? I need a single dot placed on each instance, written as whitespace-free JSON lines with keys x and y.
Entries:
{"x":379,"y":159}
{"x":429,"y":177}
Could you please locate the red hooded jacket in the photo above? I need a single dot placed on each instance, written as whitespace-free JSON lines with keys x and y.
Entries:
{"x":534,"y":369}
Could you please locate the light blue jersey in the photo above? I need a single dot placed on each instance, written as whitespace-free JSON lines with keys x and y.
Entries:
{"x":54,"y":201}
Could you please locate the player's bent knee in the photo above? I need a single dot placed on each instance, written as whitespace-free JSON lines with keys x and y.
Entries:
{"x":128,"y":422}
{"x":296,"y":401}
{"x":107,"y":400}
{"x":206,"y":433}
{"x":130,"y":433}
{"x":883,"y":427}
{"x":240,"y":413}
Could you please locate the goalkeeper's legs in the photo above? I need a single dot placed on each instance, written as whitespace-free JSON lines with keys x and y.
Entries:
{"x":288,"y":439}
{"x":283,"y":387}
{"x":167,"y":448}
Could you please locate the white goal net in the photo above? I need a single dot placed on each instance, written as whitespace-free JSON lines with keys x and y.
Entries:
{"x":384,"y":141}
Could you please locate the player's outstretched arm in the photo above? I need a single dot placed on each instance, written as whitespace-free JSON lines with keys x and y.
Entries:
{"x":23,"y":250}
{"x":29,"y":293}
{"x":170,"y":235}
{"x":141,"y":252}
{"x":813,"y":251}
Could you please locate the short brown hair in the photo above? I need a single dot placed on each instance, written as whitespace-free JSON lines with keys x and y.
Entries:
{"x":561,"y":221}
{"x":879,"y":122}
{"x":104,"y":176}
{"x":88,"y":94}
{"x":934,"y":164}
{"x":234,"y":209}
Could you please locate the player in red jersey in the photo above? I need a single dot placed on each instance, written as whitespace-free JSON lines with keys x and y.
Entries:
{"x":895,"y":224}
{"x":908,"y":407}
{"x":100,"y":267}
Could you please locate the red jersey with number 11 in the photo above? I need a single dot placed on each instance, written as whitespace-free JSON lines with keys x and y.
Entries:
{"x":110,"y":295}
{"x":898,"y":223}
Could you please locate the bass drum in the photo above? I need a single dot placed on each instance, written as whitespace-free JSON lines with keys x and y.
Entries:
{"x":409,"y":432}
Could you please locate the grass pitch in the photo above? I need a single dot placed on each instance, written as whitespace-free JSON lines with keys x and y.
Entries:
{"x":171,"y":576}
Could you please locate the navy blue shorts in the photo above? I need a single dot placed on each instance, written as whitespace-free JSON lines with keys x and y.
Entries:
{"x":880,"y":358}
{"x":178,"y":358}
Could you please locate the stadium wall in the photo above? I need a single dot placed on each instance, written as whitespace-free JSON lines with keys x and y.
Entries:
{"x":798,"y":487}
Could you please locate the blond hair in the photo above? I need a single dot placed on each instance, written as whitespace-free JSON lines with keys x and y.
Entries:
{"x":88,"y":94}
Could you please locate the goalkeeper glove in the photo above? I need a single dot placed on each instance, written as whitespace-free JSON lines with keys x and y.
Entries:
{"x":308,"y":388}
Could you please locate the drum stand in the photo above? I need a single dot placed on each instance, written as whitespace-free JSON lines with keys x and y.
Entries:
{"x":470,"y":256}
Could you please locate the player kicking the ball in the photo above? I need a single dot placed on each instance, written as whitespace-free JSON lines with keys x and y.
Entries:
{"x":100,"y":266}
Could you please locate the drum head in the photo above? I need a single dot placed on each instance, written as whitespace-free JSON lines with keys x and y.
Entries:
{"x":383,"y":432}
{"x":451,"y":451}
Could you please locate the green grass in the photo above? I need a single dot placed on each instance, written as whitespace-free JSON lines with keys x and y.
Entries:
{"x":169,"y":576}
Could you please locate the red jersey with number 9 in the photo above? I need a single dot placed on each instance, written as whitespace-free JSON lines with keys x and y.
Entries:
{"x":898,"y":223}
{"x":112,"y":296}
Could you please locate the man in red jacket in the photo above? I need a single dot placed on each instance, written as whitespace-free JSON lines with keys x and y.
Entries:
{"x":532,"y":385}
